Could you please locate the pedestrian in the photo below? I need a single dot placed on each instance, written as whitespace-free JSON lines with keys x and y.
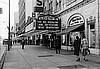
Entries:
{"x":85,"y":48}
{"x":57,"y":45}
{"x":76,"y":45}
{"x":48,"y":43}
{"x":22,"y":43}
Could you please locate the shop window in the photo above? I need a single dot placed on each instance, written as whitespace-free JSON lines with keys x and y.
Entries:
{"x":92,"y":39}
{"x":63,"y":40}
{"x":67,"y":39}
{"x":92,"y":26}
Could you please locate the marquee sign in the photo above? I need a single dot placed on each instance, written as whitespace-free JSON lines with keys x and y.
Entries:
{"x":76,"y":19}
{"x":48,"y":22}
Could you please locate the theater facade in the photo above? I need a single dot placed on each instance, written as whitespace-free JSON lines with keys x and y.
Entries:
{"x":81,"y":18}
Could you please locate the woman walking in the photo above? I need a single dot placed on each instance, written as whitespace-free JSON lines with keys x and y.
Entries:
{"x":84,"y":48}
{"x":57,"y":45}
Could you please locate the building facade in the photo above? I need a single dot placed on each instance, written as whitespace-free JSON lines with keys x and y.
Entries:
{"x":75,"y":12}
{"x":22,"y":16}
{"x":78,"y":18}
{"x":16,"y":21}
{"x":26,"y":11}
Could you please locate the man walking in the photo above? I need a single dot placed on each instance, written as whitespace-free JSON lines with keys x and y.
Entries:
{"x":76,"y":45}
{"x":22,"y":43}
{"x":57,"y":45}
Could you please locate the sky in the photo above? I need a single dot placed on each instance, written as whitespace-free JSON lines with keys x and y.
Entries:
{"x":4,"y":17}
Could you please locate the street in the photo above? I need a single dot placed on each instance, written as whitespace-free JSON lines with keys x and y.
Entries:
{"x":39,"y":57}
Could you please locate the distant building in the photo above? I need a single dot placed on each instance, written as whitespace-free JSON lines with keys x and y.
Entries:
{"x":78,"y":18}
{"x":16,"y":22}
{"x":21,"y":16}
{"x":25,"y":10}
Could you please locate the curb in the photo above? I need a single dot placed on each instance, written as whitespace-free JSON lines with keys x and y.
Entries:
{"x":2,"y":57}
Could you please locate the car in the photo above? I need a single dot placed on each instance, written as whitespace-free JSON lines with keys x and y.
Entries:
{"x":5,"y":41}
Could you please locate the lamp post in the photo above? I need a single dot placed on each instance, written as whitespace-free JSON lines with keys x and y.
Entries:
{"x":9,"y":29}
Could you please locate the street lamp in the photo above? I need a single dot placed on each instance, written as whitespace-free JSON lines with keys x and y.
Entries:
{"x":9,"y":26}
{"x":9,"y":29}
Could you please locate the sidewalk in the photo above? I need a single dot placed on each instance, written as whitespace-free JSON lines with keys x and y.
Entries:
{"x":39,"y":57}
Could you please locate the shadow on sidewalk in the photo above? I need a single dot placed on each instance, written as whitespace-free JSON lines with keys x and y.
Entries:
{"x":67,"y":52}
{"x":72,"y":67}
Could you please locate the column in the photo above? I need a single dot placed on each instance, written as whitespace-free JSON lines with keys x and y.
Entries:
{"x":89,"y":36}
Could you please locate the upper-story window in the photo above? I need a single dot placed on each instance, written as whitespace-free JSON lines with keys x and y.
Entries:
{"x":58,"y":5}
{"x":66,"y":3}
{"x":50,"y":7}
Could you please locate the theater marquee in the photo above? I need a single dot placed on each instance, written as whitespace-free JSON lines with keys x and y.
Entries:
{"x":48,"y":22}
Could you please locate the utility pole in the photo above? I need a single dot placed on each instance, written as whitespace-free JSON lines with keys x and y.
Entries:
{"x":9,"y":30}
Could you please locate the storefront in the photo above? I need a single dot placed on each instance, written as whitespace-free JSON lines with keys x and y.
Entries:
{"x":82,"y":21}
{"x":51,"y":24}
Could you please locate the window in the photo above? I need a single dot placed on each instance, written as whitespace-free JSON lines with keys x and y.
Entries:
{"x":50,"y":7}
{"x":64,"y":3}
{"x":58,"y":5}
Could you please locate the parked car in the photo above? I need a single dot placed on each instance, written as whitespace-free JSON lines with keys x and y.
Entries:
{"x":5,"y":41}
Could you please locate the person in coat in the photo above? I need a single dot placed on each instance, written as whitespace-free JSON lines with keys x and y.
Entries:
{"x":22,"y":43}
{"x":57,"y":45}
{"x":76,"y":45}
{"x":85,"y":48}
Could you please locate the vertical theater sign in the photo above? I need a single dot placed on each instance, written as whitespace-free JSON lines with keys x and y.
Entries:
{"x":39,"y":6}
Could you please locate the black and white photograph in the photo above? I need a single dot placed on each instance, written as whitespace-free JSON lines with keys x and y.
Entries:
{"x":49,"y":34}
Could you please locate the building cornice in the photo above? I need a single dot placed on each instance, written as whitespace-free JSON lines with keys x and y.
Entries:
{"x":75,"y":7}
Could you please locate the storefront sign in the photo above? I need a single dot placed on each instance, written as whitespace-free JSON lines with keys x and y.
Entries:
{"x":76,"y":19}
{"x":48,"y":22}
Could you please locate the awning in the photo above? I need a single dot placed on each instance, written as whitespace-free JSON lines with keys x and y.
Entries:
{"x":34,"y":32}
{"x":16,"y":38}
{"x":37,"y":32}
{"x":69,"y":29}
{"x":20,"y":35}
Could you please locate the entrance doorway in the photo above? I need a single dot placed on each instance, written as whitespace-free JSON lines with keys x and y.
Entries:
{"x":76,"y":32}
